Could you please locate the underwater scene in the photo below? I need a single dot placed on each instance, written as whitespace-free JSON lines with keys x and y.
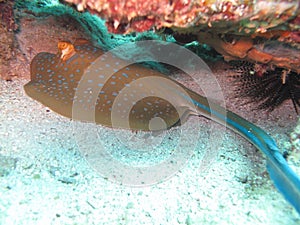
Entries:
{"x":149,"y":112}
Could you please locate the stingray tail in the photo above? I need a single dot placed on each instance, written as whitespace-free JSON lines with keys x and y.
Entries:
{"x":284,"y":178}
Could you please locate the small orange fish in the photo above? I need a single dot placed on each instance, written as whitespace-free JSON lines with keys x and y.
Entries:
{"x":66,"y":50}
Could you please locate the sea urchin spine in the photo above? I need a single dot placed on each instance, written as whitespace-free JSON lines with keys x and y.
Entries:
{"x":266,"y":85}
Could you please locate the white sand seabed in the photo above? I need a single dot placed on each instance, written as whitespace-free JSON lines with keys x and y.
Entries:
{"x":45,"y":179}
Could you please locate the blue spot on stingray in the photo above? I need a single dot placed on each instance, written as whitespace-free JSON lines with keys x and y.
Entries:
{"x":90,"y":81}
{"x":113,"y":83}
{"x":107,"y":65}
{"x":65,"y":69}
{"x":127,"y":85}
{"x":114,"y":93}
{"x":100,"y":85}
{"x":71,"y":75}
{"x":59,"y":81}
{"x":125,"y":75}
{"x":101,"y":76}
{"x":78,"y":70}
{"x":49,"y":70}
{"x":71,"y":59}
{"x":127,"y":68}
{"x":116,"y":70}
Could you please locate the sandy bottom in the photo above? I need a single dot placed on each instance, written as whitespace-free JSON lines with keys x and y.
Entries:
{"x":45,"y":178}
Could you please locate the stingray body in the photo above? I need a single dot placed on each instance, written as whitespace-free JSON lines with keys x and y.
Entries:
{"x":55,"y":78}
{"x":54,"y":82}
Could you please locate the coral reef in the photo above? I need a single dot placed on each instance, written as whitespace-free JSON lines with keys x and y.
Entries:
{"x":140,"y":15}
{"x":256,"y":31}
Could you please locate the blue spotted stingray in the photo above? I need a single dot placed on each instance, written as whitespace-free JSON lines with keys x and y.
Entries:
{"x":55,"y":79}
